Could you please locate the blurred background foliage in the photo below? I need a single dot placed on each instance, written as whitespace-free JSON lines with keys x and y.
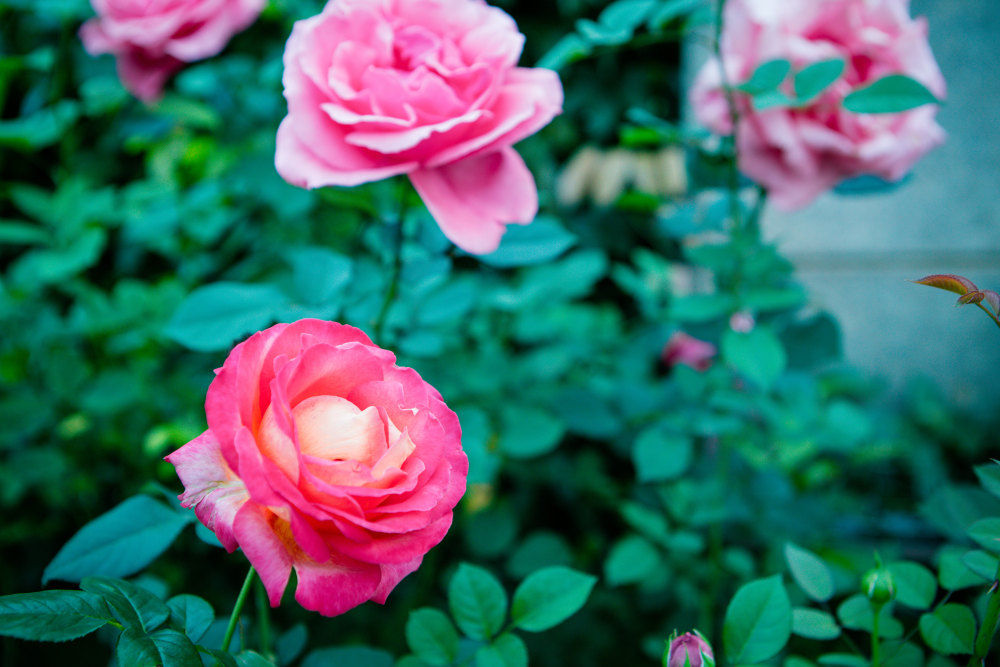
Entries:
{"x":137,"y":244}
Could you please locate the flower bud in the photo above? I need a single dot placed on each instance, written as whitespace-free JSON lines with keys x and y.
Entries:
{"x":688,"y":350}
{"x":688,"y":650}
{"x":878,"y":585}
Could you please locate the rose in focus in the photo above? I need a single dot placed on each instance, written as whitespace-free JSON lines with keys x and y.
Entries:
{"x":688,"y":350}
{"x":324,"y":456}
{"x":427,"y":88}
{"x":798,"y":153}
{"x":152,"y":39}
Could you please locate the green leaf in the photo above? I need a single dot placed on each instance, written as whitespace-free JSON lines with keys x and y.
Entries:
{"x":896,"y":654}
{"x":120,"y":542}
{"x":253,"y":659}
{"x":814,"y":624}
{"x":986,"y":533}
{"x":758,"y":355}
{"x":431,"y":636}
{"x":981,"y":563}
{"x":950,"y":629}
{"x":758,"y":621}
{"x":550,"y":596}
{"x":567,"y":50}
{"x":318,"y":273}
{"x":702,"y":307}
{"x":812,"y":80}
{"x":522,"y":245}
{"x":40,"y":129}
{"x":768,"y":76}
{"x":771,"y":99}
{"x":507,"y":651}
{"x":537,"y":550}
{"x":890,"y":94}
{"x":632,"y":559}
{"x":477,"y":601}
{"x":291,"y":643}
{"x":810,"y":572}
{"x":953,"y":573}
{"x":52,"y":616}
{"x":168,"y":648}
{"x":855,"y":613}
{"x":348,"y":656}
{"x":135,"y":607}
{"x":529,"y":432}
{"x":22,"y":233}
{"x":915,"y":584}
{"x":843,"y":660}
{"x":989,"y":477}
{"x":215,"y":316}
{"x":659,"y":454}
{"x":191,"y":614}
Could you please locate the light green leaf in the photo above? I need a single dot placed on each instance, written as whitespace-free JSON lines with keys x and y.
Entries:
{"x":550,"y":596}
{"x":810,"y":572}
{"x":477,"y":601}
{"x":950,"y":629}
{"x":890,"y":94}
{"x":120,"y":542}
{"x":758,"y":355}
{"x":52,"y":616}
{"x":953,"y":573}
{"x":431,"y":636}
{"x":632,"y":560}
{"x":915,"y":584}
{"x":215,"y":316}
{"x":768,"y":76}
{"x":318,"y":273}
{"x":855,"y":613}
{"x":989,"y":477}
{"x":522,"y":245}
{"x":986,"y":533}
{"x":659,"y":454}
{"x":529,"y":432}
{"x":758,"y":621}
{"x":812,"y":80}
{"x":843,"y":660}
{"x":814,"y":624}
{"x":507,"y":651}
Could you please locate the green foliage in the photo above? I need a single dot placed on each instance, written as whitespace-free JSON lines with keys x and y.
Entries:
{"x":477,"y":601}
{"x":52,"y":616}
{"x":758,"y":621}
{"x":811,"y":574}
{"x":890,"y":94}
{"x":548,"y":597}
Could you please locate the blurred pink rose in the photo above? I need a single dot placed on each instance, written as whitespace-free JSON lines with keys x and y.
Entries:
{"x":799,"y":153}
{"x":688,"y":350}
{"x":689,"y":650}
{"x":152,"y":39}
{"x":324,"y":456}
{"x":428,"y":88}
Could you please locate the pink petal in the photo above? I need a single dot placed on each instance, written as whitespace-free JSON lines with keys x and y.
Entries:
{"x":391,"y":576}
{"x":336,"y":586}
{"x":267,"y":553}
{"x":473,"y":199}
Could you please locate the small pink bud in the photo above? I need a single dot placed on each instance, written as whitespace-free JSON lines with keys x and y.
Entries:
{"x":688,"y":350}
{"x":742,"y":322}
{"x":689,"y":650}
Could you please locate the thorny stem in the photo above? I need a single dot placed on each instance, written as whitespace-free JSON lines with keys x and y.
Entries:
{"x":989,"y":627}
{"x":237,"y":609}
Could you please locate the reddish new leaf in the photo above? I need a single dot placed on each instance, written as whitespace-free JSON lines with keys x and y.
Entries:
{"x":950,"y":282}
{"x":971,"y":297}
{"x":993,"y":299}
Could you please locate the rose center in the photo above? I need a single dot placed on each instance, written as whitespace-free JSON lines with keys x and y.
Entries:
{"x":333,"y":428}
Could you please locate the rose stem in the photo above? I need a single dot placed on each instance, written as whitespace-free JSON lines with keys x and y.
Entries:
{"x":237,"y":608}
{"x":397,"y":268}
{"x":263,"y":618}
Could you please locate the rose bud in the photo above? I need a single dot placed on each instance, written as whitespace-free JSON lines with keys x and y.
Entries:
{"x":688,"y":350}
{"x":688,"y":650}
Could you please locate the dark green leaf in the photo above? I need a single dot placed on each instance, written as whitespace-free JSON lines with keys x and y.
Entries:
{"x":855,"y":613}
{"x":659,"y":454}
{"x":319,"y":274}
{"x":890,"y":94}
{"x":168,"y":648}
{"x":120,"y":542}
{"x":986,"y":533}
{"x":550,"y":596}
{"x":348,"y":656}
{"x":915,"y":584}
{"x":191,"y":614}
{"x":950,"y":629}
{"x":632,"y":560}
{"x":768,"y":76}
{"x":52,"y":616}
{"x":758,"y":621}
{"x":953,"y":573}
{"x":135,"y":607}
{"x":758,"y":355}
{"x":477,"y":601}
{"x":529,"y":432}
{"x":989,"y":477}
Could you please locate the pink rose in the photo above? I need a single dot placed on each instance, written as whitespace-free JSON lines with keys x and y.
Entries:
{"x":427,"y":88}
{"x":799,"y":153}
{"x":324,"y":456}
{"x":152,"y":39}
{"x":688,"y":350}
{"x":689,"y":650}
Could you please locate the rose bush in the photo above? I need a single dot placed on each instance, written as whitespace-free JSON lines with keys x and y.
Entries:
{"x":427,"y":88}
{"x":798,"y":152}
{"x":685,"y":349}
{"x":152,"y":39}
{"x":324,"y":456}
